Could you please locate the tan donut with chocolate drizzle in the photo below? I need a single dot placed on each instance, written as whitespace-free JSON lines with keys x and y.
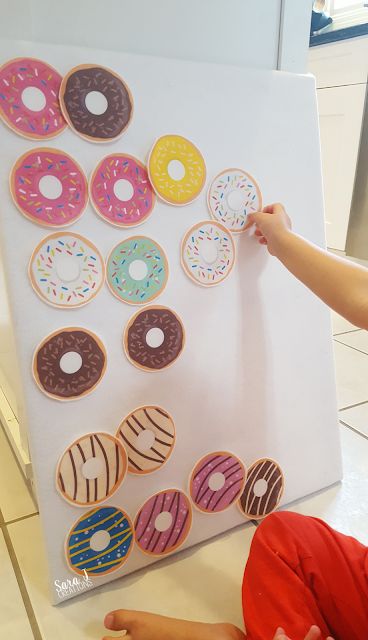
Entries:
{"x":263,"y":489}
{"x":148,"y":435}
{"x":91,"y":469}
{"x":69,"y":363}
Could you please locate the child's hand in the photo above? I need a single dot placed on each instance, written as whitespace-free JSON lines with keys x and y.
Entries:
{"x":314,"y":633}
{"x":270,"y":228}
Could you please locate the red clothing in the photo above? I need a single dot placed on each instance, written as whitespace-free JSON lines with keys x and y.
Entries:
{"x":301,"y":572}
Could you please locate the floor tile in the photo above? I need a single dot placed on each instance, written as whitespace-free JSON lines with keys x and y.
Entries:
{"x":356,"y":339}
{"x":339,"y":324}
{"x":15,"y":499}
{"x":351,"y":375}
{"x":14,"y":623}
{"x":186,"y":586}
{"x":356,"y":417}
{"x":344,"y":506}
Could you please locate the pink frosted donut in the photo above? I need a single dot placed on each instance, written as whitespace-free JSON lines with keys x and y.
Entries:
{"x":121,"y":191}
{"x":217,"y":481}
{"x":20,"y":77}
{"x":65,"y":186}
{"x":163,"y":523}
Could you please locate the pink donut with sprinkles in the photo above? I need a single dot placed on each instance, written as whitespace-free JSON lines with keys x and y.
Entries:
{"x":49,"y":187}
{"x":121,"y":191}
{"x":217,"y":481}
{"x":29,"y":98}
{"x":163,"y":523}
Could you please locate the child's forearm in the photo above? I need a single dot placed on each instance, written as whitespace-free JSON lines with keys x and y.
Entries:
{"x":342,"y":285}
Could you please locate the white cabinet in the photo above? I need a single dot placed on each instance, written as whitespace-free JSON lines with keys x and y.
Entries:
{"x":340,"y":115}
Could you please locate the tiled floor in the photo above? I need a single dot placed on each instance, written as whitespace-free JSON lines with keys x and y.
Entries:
{"x":178,"y":586}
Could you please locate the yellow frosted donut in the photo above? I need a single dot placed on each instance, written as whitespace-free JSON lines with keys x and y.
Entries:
{"x":176,"y":169}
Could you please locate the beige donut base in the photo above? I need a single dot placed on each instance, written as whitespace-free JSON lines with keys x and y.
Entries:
{"x":123,"y":458}
{"x":113,"y":569}
{"x":125,"y":339}
{"x":65,"y":112}
{"x":190,"y":481}
{"x":156,"y":295}
{"x":179,"y":544}
{"x":48,"y":337}
{"x":8,"y":122}
{"x":25,"y":213}
{"x":173,"y":202}
{"x":143,"y":472}
{"x":224,"y":229}
{"x":256,"y":186}
{"x":261,"y":517}
{"x":115,"y":224}
{"x":35,"y":286}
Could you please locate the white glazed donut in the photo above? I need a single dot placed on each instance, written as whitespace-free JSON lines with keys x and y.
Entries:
{"x":207,"y":253}
{"x":232,"y":195}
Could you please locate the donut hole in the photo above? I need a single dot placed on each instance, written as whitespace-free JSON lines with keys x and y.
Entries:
{"x":155,"y":337}
{"x":216,"y":481}
{"x":123,"y":190}
{"x":67,"y":268}
{"x":138,"y":270}
{"x":176,"y":170}
{"x":50,"y":187}
{"x":163,"y":521}
{"x":145,"y":440}
{"x":100,"y":540}
{"x":236,"y":199}
{"x":92,"y":468}
{"x":96,"y":103}
{"x":260,"y":487}
{"x":70,"y":362}
{"x":208,"y":251}
{"x":33,"y":98}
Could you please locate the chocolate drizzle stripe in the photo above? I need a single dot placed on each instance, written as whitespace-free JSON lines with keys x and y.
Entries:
{"x":210,"y":473}
{"x":154,"y":529}
{"x":165,"y":444}
{"x":225,"y":492}
{"x":117,"y":458}
{"x":163,"y":413}
{"x":131,"y":427}
{"x":137,"y":421}
{"x":149,"y":519}
{"x":161,"y":532}
{"x":215,"y":493}
{"x":84,"y":459}
{"x":93,"y":454}
{"x":174,"y":523}
{"x":157,"y":425}
{"x":74,"y":473}
{"x":204,"y":466}
{"x":158,"y":453}
{"x":61,"y":482}
{"x":134,"y":464}
{"x":143,"y":455}
{"x":106,"y":463}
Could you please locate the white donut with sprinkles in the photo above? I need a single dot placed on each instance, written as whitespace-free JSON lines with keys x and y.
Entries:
{"x":207,"y":253}
{"x":232,"y":195}
{"x":66,"y":270}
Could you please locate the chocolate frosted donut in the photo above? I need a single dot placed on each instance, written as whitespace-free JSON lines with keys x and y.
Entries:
{"x":154,"y":338}
{"x":69,"y":363}
{"x":263,"y":489}
{"x":102,"y":126}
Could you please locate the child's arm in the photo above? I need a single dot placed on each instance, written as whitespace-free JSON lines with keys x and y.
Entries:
{"x":341,"y":284}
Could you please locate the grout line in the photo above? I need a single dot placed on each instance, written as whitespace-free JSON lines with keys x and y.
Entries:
{"x":20,"y":580}
{"x":336,"y":86}
{"x":350,"y":347}
{"x":341,"y":333}
{"x":29,"y":515}
{"x":348,"y":426}
{"x":351,"y":406}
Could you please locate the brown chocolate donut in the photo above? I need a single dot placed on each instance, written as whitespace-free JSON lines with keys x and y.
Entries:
{"x":263,"y":489}
{"x":139,"y":351}
{"x":79,"y":373}
{"x":77,"y":84}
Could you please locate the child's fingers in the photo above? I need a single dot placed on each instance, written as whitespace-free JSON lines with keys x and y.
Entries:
{"x":258,"y":232}
{"x":314,"y":633}
{"x":262,"y":241}
{"x":119,"y":620}
{"x":250,"y":222}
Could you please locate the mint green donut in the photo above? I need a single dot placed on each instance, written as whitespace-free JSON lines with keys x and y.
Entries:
{"x":141,"y":282}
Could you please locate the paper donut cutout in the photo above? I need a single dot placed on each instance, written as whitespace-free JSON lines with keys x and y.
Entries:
{"x":216,"y":482}
{"x":29,"y":98}
{"x":148,"y":435}
{"x":263,"y":489}
{"x":96,"y":103}
{"x":91,"y":469}
{"x":69,"y":363}
{"x":154,"y":338}
{"x":66,"y":270}
{"x":137,"y":270}
{"x":100,"y":542}
{"x":49,"y":187}
{"x":163,"y":523}
{"x":121,"y":192}
{"x":207,"y":253}
{"x":232,"y":195}
{"x":176,"y":169}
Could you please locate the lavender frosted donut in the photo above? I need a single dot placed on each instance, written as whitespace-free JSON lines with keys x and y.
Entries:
{"x":163,"y":523}
{"x":217,"y":481}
